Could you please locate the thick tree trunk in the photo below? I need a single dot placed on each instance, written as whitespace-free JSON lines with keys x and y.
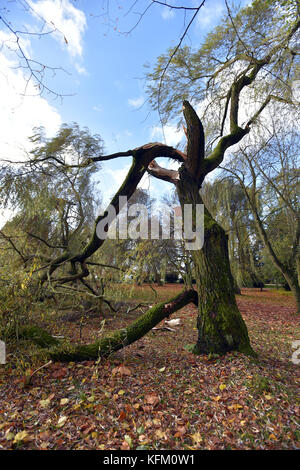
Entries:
{"x":298,"y":268}
{"x":220,"y":324}
{"x":292,"y":280}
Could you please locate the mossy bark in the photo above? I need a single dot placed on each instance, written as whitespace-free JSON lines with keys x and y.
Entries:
{"x":37,"y":336}
{"x":221,"y":327}
{"x":116,"y":340}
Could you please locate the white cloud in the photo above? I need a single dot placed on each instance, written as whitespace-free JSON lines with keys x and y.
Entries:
{"x":172,"y":135}
{"x":136,"y":102}
{"x":210,"y":14}
{"x":70,"y":21}
{"x":19,"y":113}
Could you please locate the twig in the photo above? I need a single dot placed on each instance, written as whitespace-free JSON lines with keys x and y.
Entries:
{"x":34,"y":372}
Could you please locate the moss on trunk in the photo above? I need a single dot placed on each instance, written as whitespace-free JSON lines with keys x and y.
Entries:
{"x":66,"y":352}
{"x":221,"y":327}
{"x":38,"y":336}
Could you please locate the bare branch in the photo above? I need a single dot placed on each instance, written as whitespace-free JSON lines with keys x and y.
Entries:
{"x":9,"y":239}
{"x":44,"y":241}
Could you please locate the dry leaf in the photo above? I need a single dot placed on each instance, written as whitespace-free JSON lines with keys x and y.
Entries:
{"x":197,"y":438}
{"x":152,"y":399}
{"x":64,"y":401}
{"x":20,"y":436}
{"x":122,"y":416}
{"x":125,"y":446}
{"x":181,"y":430}
{"x":160,"y":434}
{"x":123,"y":370}
{"x":61,"y":422}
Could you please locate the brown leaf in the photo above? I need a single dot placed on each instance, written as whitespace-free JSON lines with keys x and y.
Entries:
{"x":181,"y":430}
{"x":123,"y":370}
{"x":89,"y":430}
{"x":60,"y":373}
{"x":125,"y":446}
{"x":122,"y":416}
{"x":152,"y":399}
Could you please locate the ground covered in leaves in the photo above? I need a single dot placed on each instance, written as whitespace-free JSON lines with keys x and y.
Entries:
{"x":157,"y":395}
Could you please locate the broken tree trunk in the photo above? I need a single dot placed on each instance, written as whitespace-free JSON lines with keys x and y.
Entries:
{"x":116,"y":340}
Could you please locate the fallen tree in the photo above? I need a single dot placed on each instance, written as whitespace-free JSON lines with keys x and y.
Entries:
{"x":66,"y":352}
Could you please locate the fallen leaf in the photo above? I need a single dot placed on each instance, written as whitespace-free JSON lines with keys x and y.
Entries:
{"x":44,"y":445}
{"x":60,"y":373}
{"x":181,"y":430}
{"x":123,"y":370}
{"x":218,"y":398}
{"x":197,"y":438}
{"x":152,"y":399}
{"x":235,"y":406}
{"x":125,"y":446}
{"x":61,"y":422}
{"x":160,"y":434}
{"x":44,"y":403}
{"x":64,"y":401}
{"x":9,"y":435}
{"x":128,"y":440}
{"x":20,"y":436}
{"x":122,"y":416}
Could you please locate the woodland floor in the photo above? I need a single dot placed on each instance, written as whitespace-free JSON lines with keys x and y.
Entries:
{"x":155,"y":394}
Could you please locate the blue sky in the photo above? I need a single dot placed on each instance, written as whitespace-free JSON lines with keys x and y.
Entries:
{"x":104,"y":73}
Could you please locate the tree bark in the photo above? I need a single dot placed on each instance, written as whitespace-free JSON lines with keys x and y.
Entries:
{"x":221,"y":327}
{"x":292,"y":280}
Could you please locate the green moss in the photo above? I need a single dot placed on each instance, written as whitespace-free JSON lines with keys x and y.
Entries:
{"x":38,"y":336}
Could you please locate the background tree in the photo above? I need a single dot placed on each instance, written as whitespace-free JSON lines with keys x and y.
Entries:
{"x":268,"y":174}
{"x":55,"y":200}
{"x":229,"y":205}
